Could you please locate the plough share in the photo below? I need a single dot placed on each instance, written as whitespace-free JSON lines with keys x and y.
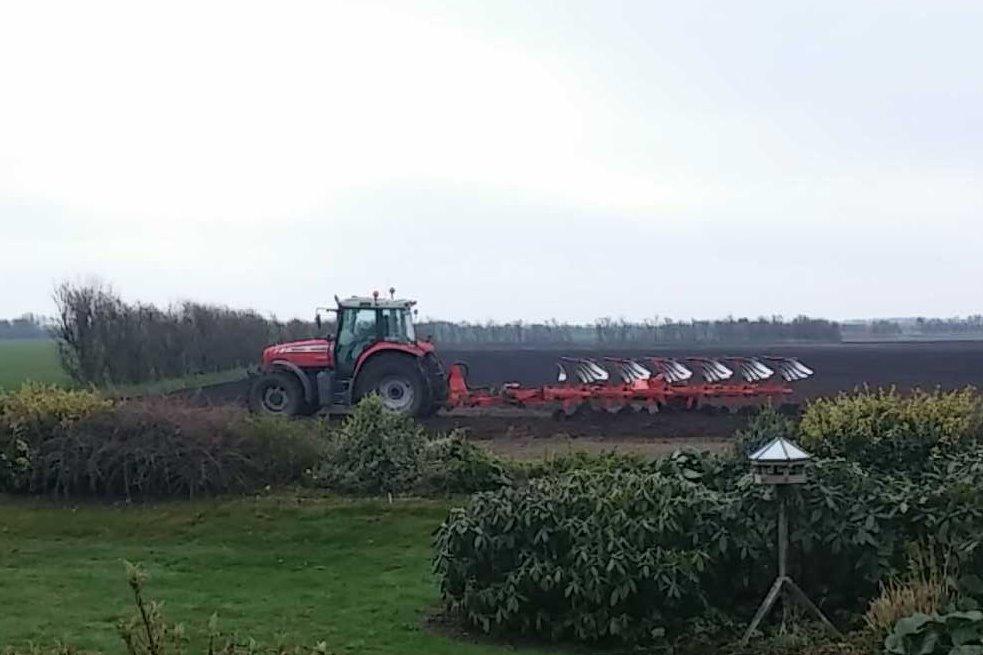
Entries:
{"x":648,"y":384}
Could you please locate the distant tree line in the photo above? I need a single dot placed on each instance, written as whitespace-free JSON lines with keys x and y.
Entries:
{"x":27,"y":326}
{"x":913,"y":328}
{"x":969,"y":325}
{"x":606,"y":331}
{"x":105,"y":340}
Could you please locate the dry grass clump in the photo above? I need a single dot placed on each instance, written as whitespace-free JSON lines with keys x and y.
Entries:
{"x":926,"y":587}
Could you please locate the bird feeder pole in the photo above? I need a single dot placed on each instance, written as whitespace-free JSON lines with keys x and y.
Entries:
{"x":780,"y":463}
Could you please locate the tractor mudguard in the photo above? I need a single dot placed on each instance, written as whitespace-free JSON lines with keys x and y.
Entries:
{"x":305,"y":381}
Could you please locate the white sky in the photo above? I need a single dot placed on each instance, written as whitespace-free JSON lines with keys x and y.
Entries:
{"x":497,"y":159}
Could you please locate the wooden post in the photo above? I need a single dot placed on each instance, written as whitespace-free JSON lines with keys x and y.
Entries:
{"x":783,"y":553}
{"x":784,"y":586}
{"x":782,"y":535}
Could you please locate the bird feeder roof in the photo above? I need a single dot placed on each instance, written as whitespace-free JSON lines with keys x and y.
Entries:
{"x":780,"y":450}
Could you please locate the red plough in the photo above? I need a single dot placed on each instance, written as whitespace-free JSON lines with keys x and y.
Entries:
{"x":649,"y":384}
{"x":373,"y":349}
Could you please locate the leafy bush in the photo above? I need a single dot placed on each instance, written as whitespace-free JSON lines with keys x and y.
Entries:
{"x":82,"y":446}
{"x":955,"y":633}
{"x":887,"y":431}
{"x":380,"y":452}
{"x":559,"y":464}
{"x":565,"y":556}
{"x":374,"y":452}
{"x":764,"y":426}
{"x":589,"y":555}
{"x":28,"y":416}
{"x":452,"y":464}
{"x":686,"y":465}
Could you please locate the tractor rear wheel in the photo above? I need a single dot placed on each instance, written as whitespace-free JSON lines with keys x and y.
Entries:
{"x":278,"y":393}
{"x":398,"y":382}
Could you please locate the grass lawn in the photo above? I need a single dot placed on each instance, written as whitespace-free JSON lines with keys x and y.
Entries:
{"x":30,"y":359}
{"x":353,"y":573}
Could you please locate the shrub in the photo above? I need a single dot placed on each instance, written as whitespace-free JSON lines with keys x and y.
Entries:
{"x":380,"y":452}
{"x":764,"y":426}
{"x":374,"y":452}
{"x":589,"y":555}
{"x":452,"y":464}
{"x":955,"y":633}
{"x":887,"y":431}
{"x":559,"y":464}
{"x":684,"y":464}
{"x":508,"y":559}
{"x":30,"y":415}
{"x":163,"y":448}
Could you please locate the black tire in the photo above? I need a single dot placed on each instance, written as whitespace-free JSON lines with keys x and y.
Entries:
{"x":399,"y":383}
{"x":279,"y":394}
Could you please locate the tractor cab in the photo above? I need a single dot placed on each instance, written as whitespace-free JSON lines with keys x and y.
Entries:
{"x":364,"y":322}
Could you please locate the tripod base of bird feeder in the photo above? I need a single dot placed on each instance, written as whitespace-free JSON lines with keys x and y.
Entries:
{"x":792,"y":591}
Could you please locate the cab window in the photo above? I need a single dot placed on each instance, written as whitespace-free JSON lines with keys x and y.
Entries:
{"x":397,"y":325}
{"x":358,"y":331}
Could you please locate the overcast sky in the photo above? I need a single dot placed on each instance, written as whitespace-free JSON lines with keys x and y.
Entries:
{"x":497,"y":159}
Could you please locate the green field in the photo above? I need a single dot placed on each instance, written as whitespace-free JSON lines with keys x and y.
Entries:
{"x":23,"y":360}
{"x":352,"y":573}
{"x":30,"y":359}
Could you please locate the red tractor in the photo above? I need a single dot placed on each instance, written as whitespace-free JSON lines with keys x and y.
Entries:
{"x":374,"y":350}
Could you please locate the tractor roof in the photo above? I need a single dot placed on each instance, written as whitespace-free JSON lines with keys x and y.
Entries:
{"x":382,"y":303}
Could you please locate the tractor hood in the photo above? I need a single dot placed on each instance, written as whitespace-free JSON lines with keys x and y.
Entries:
{"x":305,"y":353}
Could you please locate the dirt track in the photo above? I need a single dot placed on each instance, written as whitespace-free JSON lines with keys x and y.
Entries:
{"x":523,"y":434}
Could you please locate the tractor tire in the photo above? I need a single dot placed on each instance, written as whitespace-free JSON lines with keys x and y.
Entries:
{"x":279,"y":394}
{"x":398,"y":381}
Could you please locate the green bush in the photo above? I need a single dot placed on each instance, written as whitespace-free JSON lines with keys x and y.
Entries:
{"x":452,"y":464}
{"x":588,"y":555}
{"x":380,"y":452}
{"x":955,"y":633}
{"x":687,"y":465}
{"x":374,"y":452}
{"x":888,"y":431}
{"x":764,"y":426}
{"x":29,"y":416}
{"x":571,"y":555}
{"x":79,"y":445}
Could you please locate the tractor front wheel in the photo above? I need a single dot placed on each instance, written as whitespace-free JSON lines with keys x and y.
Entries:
{"x":277,"y":393}
{"x":397,"y":381}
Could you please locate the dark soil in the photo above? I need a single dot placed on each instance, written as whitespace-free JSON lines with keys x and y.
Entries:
{"x":838,"y":367}
{"x":949,"y":365}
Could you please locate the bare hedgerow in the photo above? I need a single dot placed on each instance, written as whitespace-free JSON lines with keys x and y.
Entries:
{"x":103,"y":339}
{"x":152,"y":448}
